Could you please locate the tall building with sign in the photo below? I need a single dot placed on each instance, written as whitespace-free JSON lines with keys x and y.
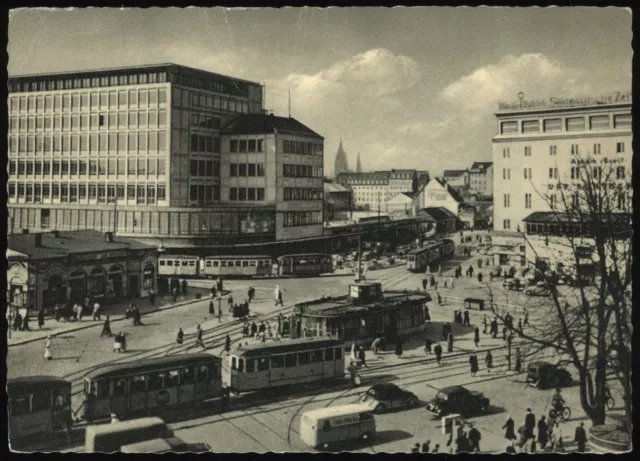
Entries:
{"x":157,"y":151}
{"x":539,"y":145}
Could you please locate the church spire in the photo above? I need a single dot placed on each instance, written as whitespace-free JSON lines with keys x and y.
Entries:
{"x":340,"y":165}
{"x":358,"y":166}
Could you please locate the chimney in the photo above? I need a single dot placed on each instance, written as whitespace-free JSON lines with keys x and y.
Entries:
{"x":55,"y":233}
{"x":108,"y":237}
{"x":38,"y":240}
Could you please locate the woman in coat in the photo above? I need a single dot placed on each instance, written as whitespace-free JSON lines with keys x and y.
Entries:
{"x":476,"y":335}
{"x":489,"y":361}
{"x":543,"y":432}
{"x":41,"y":318}
{"x":509,"y":427}
{"x":450,"y":342}
{"x":473,"y":361}
{"x":399,"y":347}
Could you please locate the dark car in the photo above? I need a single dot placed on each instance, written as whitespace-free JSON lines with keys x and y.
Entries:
{"x":546,"y":375}
{"x":387,"y":396}
{"x":457,"y":399}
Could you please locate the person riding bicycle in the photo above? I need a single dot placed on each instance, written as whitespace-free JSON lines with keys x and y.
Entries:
{"x":558,"y":401}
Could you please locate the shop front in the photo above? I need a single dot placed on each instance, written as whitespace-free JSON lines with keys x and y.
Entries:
{"x":508,"y":249}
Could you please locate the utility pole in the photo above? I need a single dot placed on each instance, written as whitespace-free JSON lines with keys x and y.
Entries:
{"x":115,"y":214}
{"x":359,"y":253}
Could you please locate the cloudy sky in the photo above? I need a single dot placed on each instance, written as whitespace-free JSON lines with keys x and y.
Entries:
{"x":405,"y":87}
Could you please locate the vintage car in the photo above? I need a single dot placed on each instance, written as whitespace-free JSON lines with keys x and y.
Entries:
{"x":388,"y":396}
{"x":457,"y":399}
{"x":546,"y":375}
{"x":541,"y":289}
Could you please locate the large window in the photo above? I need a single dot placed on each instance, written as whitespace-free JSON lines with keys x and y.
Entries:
{"x":575,"y":123}
{"x":508,"y":127}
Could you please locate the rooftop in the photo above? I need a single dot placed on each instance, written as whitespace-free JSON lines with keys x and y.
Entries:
{"x":481,"y":165}
{"x":266,"y":124}
{"x":555,"y":217}
{"x":453,"y":173}
{"x":438,"y":213}
{"x":337,"y":307}
{"x":333,"y":187}
{"x":616,"y":98}
{"x":70,"y":242}
{"x":377,"y":175}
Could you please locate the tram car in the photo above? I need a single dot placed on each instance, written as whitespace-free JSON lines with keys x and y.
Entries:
{"x":183,"y":265}
{"x":304,"y":264}
{"x":420,"y":258}
{"x":145,"y":386}
{"x":38,"y":405}
{"x":297,"y":361}
{"x":236,"y":266}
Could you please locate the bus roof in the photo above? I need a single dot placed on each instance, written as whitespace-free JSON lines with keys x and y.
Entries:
{"x":342,"y":410}
{"x":29,"y":384}
{"x":239,"y":257}
{"x":123,"y":426}
{"x":283,"y":347}
{"x":140,"y":366}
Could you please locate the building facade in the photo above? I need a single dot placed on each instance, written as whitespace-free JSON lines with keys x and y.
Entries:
{"x":439,"y":193}
{"x":481,"y":179}
{"x":135,"y":150}
{"x":371,"y":190}
{"x":338,"y":201}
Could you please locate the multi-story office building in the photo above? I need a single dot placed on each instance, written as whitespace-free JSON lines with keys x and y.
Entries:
{"x":140,"y":151}
{"x":481,"y":178}
{"x":538,"y":149}
{"x":373,"y":189}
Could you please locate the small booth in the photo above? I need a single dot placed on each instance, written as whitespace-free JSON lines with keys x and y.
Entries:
{"x":474,"y":303}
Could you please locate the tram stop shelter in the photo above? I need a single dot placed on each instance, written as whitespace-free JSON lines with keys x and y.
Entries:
{"x":474,"y":303}
{"x":65,"y":267}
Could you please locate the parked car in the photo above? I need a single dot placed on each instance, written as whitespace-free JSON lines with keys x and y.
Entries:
{"x":541,"y":289}
{"x":388,"y":396}
{"x":514,"y":284}
{"x":457,"y":399}
{"x":496,"y":271}
{"x":546,"y":375}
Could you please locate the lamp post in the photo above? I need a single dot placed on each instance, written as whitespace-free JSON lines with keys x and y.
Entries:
{"x":115,"y":214}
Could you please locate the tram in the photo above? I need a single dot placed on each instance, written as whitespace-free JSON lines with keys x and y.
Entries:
{"x":297,"y":361}
{"x":419,"y":259}
{"x":234,"y":266}
{"x":38,"y":405}
{"x":304,"y":264}
{"x":178,"y":265}
{"x":145,"y":386}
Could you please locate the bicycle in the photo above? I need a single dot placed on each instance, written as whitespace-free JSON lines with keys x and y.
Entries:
{"x":564,"y":413}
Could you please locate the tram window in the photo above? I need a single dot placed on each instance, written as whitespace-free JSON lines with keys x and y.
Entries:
{"x":263,"y":364}
{"x":215,"y":370}
{"x":192,"y":263}
{"x":186,"y":375}
{"x":202,"y":374}
{"x":20,"y":405}
{"x":328,"y":355}
{"x":290,"y":360}
{"x":245,"y":263}
{"x":223,"y":264}
{"x":169,"y":263}
{"x":161,"y":262}
{"x":40,"y":401}
{"x":303,"y":358}
{"x":326,"y":426}
{"x":277,"y":361}
{"x":173,"y":378}
{"x":316,"y":356}
{"x":102,"y":388}
{"x":241,"y":365}
{"x":230,"y":264}
{"x":156,"y":381}
{"x":338,"y":353}
{"x":251,"y":365}
{"x":139,"y":384}
{"x":233,"y":363}
{"x":184,"y":263}
{"x":207,"y":263}
{"x":252,"y":263}
{"x":215,"y":264}
{"x":238,"y":263}
{"x":119,"y":387}
{"x":259,"y":263}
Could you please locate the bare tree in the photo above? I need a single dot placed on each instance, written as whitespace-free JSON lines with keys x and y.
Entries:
{"x":582,"y":254}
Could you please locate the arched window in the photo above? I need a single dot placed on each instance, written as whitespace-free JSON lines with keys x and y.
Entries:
{"x":114,"y":280}
{"x":148,"y":277}
{"x":77,"y":283}
{"x":97,"y":281}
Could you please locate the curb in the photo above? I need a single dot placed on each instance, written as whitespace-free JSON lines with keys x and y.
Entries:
{"x":84,"y":327}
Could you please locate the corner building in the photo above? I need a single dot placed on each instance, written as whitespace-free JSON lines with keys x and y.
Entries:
{"x":137,"y":151}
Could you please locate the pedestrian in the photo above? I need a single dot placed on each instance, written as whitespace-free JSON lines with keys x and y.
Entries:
{"x":470,"y":270}
{"x":375,"y":345}
{"x":439,"y":298}
{"x":399,"y":347}
{"x":137,"y":319}
{"x":518,"y":360}
{"x":175,"y":294}
{"x":543,"y":432}
{"x":96,"y":311}
{"x":262,"y":328}
{"x":17,"y":322}
{"x":416,"y":448}
{"x":480,"y":263}
{"x":526,"y":317}
{"x":436,"y":448}
{"x":213,"y":291}
{"x":427,"y":346}
{"x":480,"y":277}
{"x":473,"y":362}
{"x":25,"y":322}
{"x":230,"y":303}
{"x":580,"y":438}
{"x":57,"y":314}
{"x":425,"y":446}
{"x":432,"y":281}
{"x":183,"y":285}
{"x":466,"y":321}
{"x":557,"y":436}
{"x":476,"y":336}
{"x":277,"y":294}
{"x":212,"y":309}
{"x":450,"y":342}
{"x":504,"y":333}
{"x":245,"y":329}
{"x":227,"y":343}
{"x":529,"y":424}
{"x":269,"y":331}
{"x":152,"y":297}
{"x":353,"y":373}
{"x":424,"y":284}
{"x":484,"y":324}
{"x":435,"y":285}
{"x":80,"y":311}
{"x":494,"y":328}
{"x":40,"y":318}
{"x":509,"y":427}
{"x":251,"y":293}
{"x":520,"y":327}
{"x":427,"y":315}
{"x":474,"y":439}
{"x":106,"y":328}
{"x":489,"y":361}
{"x":487,"y":262}
{"x":254,"y":329}
{"x":180,"y":336}
{"x":47,"y":348}
{"x":361,"y":357}
{"x":445,"y":331}
{"x":199,"y":340}
{"x":438,"y":351}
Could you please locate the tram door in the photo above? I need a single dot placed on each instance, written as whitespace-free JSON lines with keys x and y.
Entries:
{"x":119,"y":399}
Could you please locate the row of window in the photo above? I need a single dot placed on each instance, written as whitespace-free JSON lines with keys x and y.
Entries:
{"x":246,"y":145}
{"x":205,"y":121}
{"x":207,"y":101}
{"x":299,"y":147}
{"x":67,"y":83}
{"x":301,"y":171}
{"x":101,"y":167}
{"x":246,"y":169}
{"x":575,"y":150}
{"x":242,"y":194}
{"x":302,"y":193}
{"x":36,"y":402}
{"x":205,"y":168}
{"x":85,"y":122}
{"x":96,"y":143}
{"x":204,"y":194}
{"x":551,"y":125}
{"x":75,"y":102}
{"x":201,"y":143}
{"x":243,"y":365}
{"x":302,"y":218}
{"x":142,"y":194}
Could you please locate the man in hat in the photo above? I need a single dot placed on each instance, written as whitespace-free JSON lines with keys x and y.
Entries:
{"x":474,"y":438}
{"x":529,"y":424}
{"x":581,"y":438}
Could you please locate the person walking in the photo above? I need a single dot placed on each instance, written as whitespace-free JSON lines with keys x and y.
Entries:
{"x":47,"y":349}
{"x":251,"y":293}
{"x":432,"y":281}
{"x":557,"y":436}
{"x":277,"y":295}
{"x":106,"y":328}
{"x":80,"y":312}
{"x":25,"y":322}
{"x":480,"y":277}
{"x":152,"y":297}
{"x":438,"y":351}
{"x":361,"y":357}
{"x":230,"y":303}
{"x":470,"y":271}
{"x":353,"y":373}
{"x":518,"y":364}
{"x":520,"y":327}
{"x":484,"y":324}
{"x":40,"y":318}
{"x":489,"y":361}
{"x":227,"y":343}
{"x":543,"y":432}
{"x":473,"y":362}
{"x":137,"y":319}
{"x":375,"y":345}
{"x":96,"y":311}
{"x":175,"y":294}
{"x":183,"y":286}
{"x":219,"y":314}
{"x":526,"y":317}
{"x":509,"y":427}
{"x":399,"y":347}
{"x":476,"y":336}
{"x":57,"y":314}
{"x":450,"y":342}
{"x":424,"y":284}
{"x":427,"y":314}
{"x":494,"y":328}
{"x":580,"y":438}
{"x":199,"y":340}
{"x":254,"y":329}
{"x":466,"y":321}
{"x":425,"y":447}
{"x":529,"y":424}
{"x":474,"y":439}
{"x":427,"y":346}
{"x":212,"y":308}
{"x":17,"y":322}
{"x":480,"y":263}
{"x":180,"y":336}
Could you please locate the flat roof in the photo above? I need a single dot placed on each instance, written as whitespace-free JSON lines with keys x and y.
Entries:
{"x":286,"y":346}
{"x":345,"y":306}
{"x":266,"y":124}
{"x":139,"y":366}
{"x":341,"y":410}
